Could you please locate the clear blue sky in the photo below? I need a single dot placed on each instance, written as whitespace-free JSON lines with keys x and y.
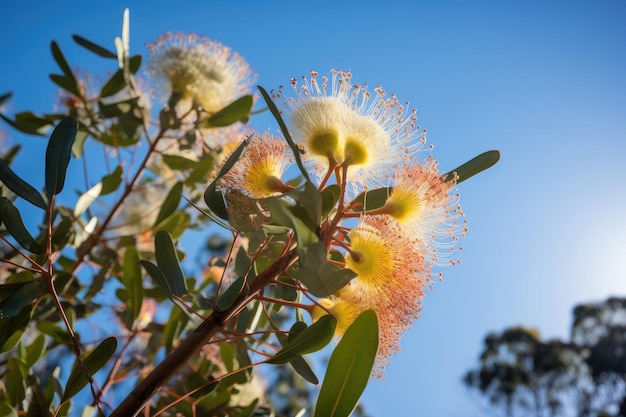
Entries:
{"x":543,"y":82}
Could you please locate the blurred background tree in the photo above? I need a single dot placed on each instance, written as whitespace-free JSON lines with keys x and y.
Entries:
{"x":521,"y":375}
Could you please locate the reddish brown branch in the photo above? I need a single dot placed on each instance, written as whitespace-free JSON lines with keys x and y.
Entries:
{"x":137,"y":399}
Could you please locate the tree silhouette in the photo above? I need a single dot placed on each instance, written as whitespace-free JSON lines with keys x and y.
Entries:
{"x":522,"y":375}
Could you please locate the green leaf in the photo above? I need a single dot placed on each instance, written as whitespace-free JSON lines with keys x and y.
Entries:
{"x":238,"y":110}
{"x":13,"y":222}
{"x":167,"y":260}
{"x":28,"y":122}
{"x":213,"y":198}
{"x":320,"y":278}
{"x":66,"y":83}
{"x":174,"y":327}
{"x":158,"y":277}
{"x":131,"y":278}
{"x":178,"y":162}
{"x":112,"y":181}
{"x":330,"y":196}
{"x":227,"y":298}
{"x":93,"y":363}
{"x":23,"y":294}
{"x":58,"y":154}
{"x":300,"y":365}
{"x":227,"y":355}
{"x":311,"y":339}
{"x":114,"y":85}
{"x":11,"y":329}
{"x":201,"y":170}
{"x":474,"y":166}
{"x":11,"y":153}
{"x":57,"y":334}
{"x":78,"y":147}
{"x":35,"y":350}
{"x":281,"y":214}
{"x":19,"y":186}
{"x":96,"y":49}
{"x":249,"y":410}
{"x":60,"y":60}
{"x":4,"y":97}
{"x":349,"y":368}
{"x":171,"y":203}
{"x":283,"y":128}
{"x":311,"y":199}
{"x":14,"y":380}
{"x":117,"y":81}
{"x":370,"y":200}
{"x":7,"y":411}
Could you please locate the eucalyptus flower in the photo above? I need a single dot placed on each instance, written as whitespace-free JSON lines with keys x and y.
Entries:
{"x":198,"y":70}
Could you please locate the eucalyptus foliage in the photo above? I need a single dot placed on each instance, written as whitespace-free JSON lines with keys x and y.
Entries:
{"x":102,"y":317}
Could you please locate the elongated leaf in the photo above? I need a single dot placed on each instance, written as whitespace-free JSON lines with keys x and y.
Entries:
{"x":114,"y":85}
{"x":238,"y":110}
{"x":249,"y":410}
{"x":300,"y":365}
{"x":61,"y":61}
{"x":19,"y":186}
{"x":214,"y":198}
{"x":179,"y":162}
{"x":117,"y":81}
{"x":133,"y":283}
{"x":200,"y":170}
{"x":227,"y":355}
{"x":78,"y":147}
{"x":474,"y":166}
{"x":11,"y":329}
{"x":13,"y":222}
{"x":24,"y":294}
{"x":281,"y":215}
{"x":28,"y":122}
{"x":93,"y":362}
{"x":96,"y":49}
{"x":58,"y":154}
{"x":66,"y":83}
{"x":85,"y":200}
{"x":311,"y":339}
{"x":317,"y":275}
{"x":14,"y":380}
{"x":112,"y":181}
{"x":167,"y":260}
{"x":158,"y":277}
{"x":330,"y":197}
{"x":227,"y":298}
{"x":7,"y":411}
{"x":4,"y":97}
{"x":11,"y":153}
{"x":370,"y":200}
{"x":349,"y":368}
{"x":283,"y":128}
{"x":171,"y":203}
{"x":35,"y":350}
{"x":310,"y":199}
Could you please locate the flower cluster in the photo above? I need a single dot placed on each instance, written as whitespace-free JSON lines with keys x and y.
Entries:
{"x":363,"y":142}
{"x":199,"y":70}
{"x":200,"y":76}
